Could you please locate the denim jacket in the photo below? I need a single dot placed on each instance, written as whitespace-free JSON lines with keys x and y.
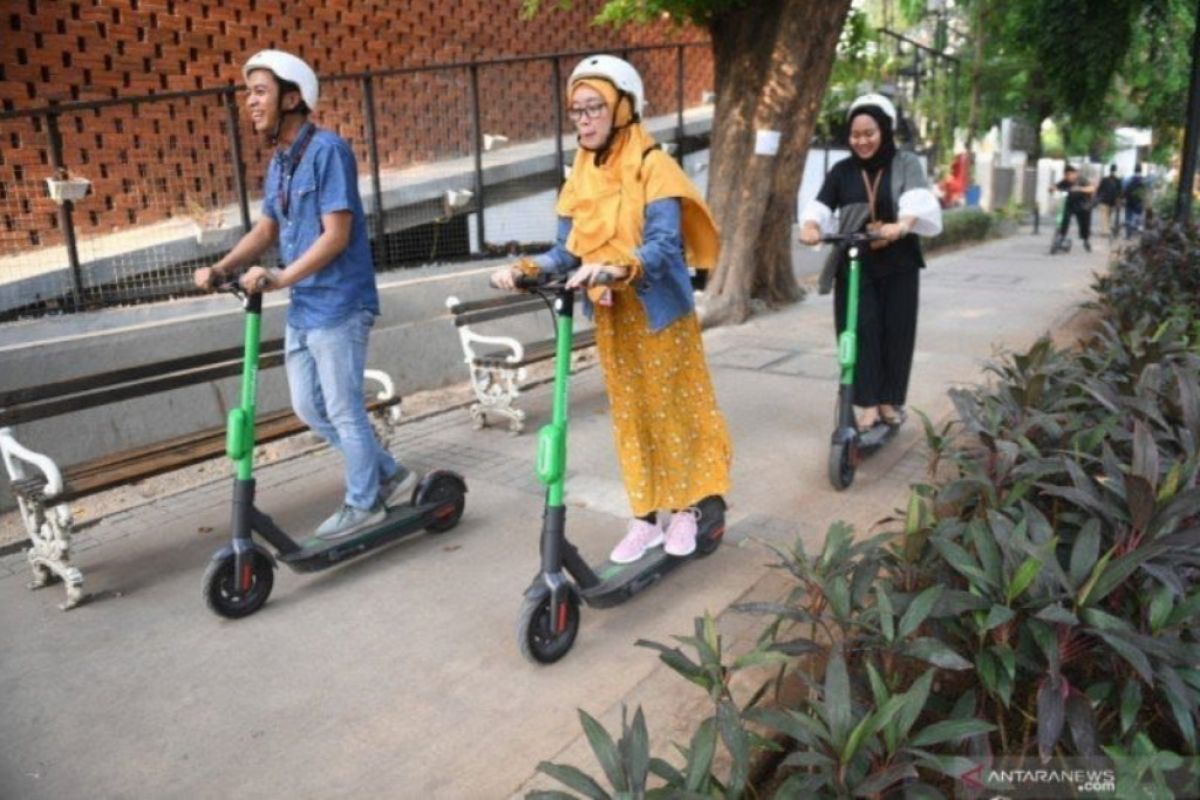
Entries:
{"x":665,"y":286}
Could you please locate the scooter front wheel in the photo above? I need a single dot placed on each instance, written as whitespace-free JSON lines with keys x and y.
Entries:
{"x":541,"y":640}
{"x":221,"y":592}
{"x":843,"y":461}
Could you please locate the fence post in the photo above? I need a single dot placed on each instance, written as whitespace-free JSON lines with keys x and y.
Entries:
{"x":679,"y":103}
{"x":477,"y":145}
{"x":65,"y":218}
{"x":239,"y":166}
{"x":368,"y":90}
{"x":556,"y":95}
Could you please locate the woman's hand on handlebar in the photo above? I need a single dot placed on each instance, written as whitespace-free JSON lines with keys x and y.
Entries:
{"x":891,"y":231}
{"x":810,"y":234}
{"x":588,"y":274}
{"x":506,"y":278}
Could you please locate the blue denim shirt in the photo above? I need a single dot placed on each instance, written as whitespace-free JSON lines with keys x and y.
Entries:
{"x":325,"y":181}
{"x":665,"y":287}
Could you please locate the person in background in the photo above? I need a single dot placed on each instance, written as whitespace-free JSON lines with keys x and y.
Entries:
{"x":1079,"y":194}
{"x":1108,"y":194}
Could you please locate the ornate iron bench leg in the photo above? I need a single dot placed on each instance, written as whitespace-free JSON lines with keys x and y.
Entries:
{"x":50,"y":553}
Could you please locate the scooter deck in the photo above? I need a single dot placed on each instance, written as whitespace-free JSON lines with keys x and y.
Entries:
{"x":876,"y":437}
{"x":619,"y":582}
{"x":401,"y":522}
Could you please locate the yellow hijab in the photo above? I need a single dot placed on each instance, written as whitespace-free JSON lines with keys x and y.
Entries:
{"x":607,"y":202}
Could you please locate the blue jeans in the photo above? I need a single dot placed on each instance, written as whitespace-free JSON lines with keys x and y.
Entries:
{"x":325,"y":376}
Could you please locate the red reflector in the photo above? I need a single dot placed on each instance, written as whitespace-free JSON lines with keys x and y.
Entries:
{"x":718,"y":533}
{"x":562,"y":619}
{"x":245,"y":578}
{"x":444,"y":511}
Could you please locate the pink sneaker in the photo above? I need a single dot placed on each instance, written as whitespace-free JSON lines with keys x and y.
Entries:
{"x":641,"y":537}
{"x":681,"y":533}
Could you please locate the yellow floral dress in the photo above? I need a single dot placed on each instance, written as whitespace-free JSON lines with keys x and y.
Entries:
{"x":672,"y":441}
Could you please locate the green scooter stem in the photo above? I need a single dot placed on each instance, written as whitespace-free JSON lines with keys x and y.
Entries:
{"x":848,"y":338}
{"x":239,"y":431}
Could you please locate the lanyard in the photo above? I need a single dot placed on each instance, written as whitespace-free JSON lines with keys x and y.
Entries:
{"x":872,"y":191}
{"x":285,"y":182}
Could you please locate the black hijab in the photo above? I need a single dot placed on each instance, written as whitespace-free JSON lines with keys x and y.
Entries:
{"x":887,"y":145}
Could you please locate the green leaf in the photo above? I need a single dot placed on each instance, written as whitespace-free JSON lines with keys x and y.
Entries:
{"x":917,"y":611}
{"x":987,"y":667}
{"x":1007,"y":659}
{"x":887,"y":617}
{"x":837,"y":591}
{"x":1023,"y":577}
{"x":1130,"y":652}
{"x":736,"y":742}
{"x":837,"y":701}
{"x":948,"y":730}
{"x":961,"y":561}
{"x":759,"y":657}
{"x":1051,"y":714}
{"x":606,"y":752}
{"x":879,"y":781}
{"x":914,"y":703}
{"x":998,"y":616}
{"x":676,"y":660}
{"x":1161,"y":605}
{"x":1058,"y":615}
{"x":574,"y":778}
{"x":870,"y":725}
{"x":1085,"y":551}
{"x":549,"y":795}
{"x":937,"y":653}
{"x":1084,"y":597}
{"x":667,"y":772}
{"x":700,"y":754}
{"x":635,"y":748}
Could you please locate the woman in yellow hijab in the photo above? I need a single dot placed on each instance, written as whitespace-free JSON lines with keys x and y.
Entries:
{"x":628,"y":210}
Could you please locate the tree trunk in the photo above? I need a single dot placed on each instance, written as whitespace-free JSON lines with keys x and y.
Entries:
{"x":976,"y":73}
{"x":772,"y":62}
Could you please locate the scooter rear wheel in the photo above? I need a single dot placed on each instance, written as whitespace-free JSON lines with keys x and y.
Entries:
{"x":535,"y":630}
{"x":447,"y":493}
{"x":221,"y":592}
{"x":843,"y":462}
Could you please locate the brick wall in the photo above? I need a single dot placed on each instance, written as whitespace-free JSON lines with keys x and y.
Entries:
{"x":154,"y":161}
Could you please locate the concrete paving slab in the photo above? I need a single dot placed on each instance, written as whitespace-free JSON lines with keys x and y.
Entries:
{"x":398,"y":675}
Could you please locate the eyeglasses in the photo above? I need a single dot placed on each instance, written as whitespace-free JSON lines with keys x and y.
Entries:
{"x":593,"y":111}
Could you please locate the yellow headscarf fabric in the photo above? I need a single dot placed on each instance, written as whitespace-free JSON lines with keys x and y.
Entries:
{"x":607,"y":202}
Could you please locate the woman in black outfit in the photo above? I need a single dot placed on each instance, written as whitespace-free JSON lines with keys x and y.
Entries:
{"x":883,"y":190}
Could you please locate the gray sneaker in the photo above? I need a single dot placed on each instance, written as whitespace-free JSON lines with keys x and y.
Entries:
{"x":397,"y":490}
{"x":348,"y":520}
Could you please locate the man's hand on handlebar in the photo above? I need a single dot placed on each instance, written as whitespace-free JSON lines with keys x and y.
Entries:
{"x":260,"y":279}
{"x":206,"y":278}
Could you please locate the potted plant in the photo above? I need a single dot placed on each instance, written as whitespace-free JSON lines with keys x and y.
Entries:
{"x":63,"y":187}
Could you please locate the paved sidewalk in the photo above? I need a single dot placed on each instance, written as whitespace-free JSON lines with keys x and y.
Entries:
{"x":398,"y":675}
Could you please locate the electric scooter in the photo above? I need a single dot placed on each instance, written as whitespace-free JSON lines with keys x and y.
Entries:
{"x":240,"y":575}
{"x":848,"y":446}
{"x":1061,"y":243}
{"x":550,"y":614}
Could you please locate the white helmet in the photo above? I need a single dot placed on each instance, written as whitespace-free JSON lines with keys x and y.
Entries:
{"x":287,"y":67}
{"x":874,"y":99}
{"x":618,"y":72}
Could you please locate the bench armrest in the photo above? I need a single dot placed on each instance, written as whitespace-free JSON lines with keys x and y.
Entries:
{"x":15,"y":455}
{"x":387,"y":391}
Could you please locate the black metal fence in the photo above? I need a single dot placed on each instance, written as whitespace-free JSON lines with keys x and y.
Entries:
{"x":456,"y":161}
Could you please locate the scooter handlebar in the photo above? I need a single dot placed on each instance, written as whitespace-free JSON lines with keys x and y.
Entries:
{"x":861,"y":237}
{"x":553,"y":280}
